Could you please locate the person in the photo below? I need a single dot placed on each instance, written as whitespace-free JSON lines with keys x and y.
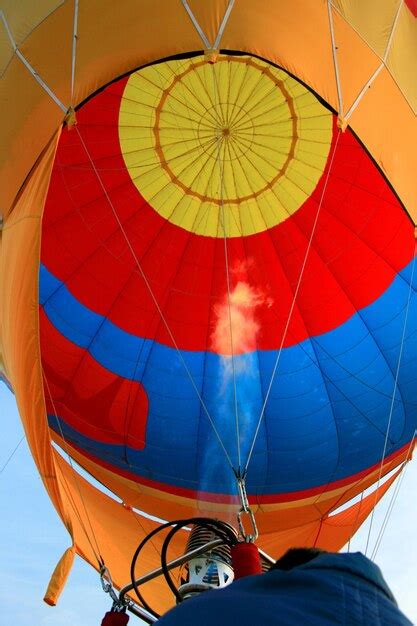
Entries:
{"x":305,"y":587}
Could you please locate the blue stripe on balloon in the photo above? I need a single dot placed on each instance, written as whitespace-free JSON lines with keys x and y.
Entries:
{"x":325,"y":420}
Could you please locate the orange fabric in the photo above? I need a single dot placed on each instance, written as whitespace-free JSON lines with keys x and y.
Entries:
{"x":294,"y":35}
{"x":403,"y":54}
{"x":59,"y":577}
{"x":329,"y":533}
{"x":18,"y":313}
{"x":105,"y":528}
{"x":372,"y":20}
{"x":269,"y":517}
{"x":99,"y":526}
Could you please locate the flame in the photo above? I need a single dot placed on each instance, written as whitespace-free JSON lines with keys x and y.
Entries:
{"x":238,"y":324}
{"x":236,"y":317}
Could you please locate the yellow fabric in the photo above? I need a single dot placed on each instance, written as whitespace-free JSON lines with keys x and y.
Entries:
{"x":59,"y":576}
{"x":191,"y":115}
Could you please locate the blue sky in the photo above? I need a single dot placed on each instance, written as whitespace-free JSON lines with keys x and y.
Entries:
{"x":32,"y":540}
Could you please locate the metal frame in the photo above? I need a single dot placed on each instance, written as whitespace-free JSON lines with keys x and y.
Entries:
{"x":141,"y":612}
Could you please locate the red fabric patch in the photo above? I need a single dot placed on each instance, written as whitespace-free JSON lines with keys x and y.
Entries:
{"x":89,"y":398}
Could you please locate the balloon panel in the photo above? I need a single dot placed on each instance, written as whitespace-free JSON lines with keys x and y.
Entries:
{"x":172,"y":174}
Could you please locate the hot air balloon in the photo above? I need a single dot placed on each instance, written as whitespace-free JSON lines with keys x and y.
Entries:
{"x":207,"y":265}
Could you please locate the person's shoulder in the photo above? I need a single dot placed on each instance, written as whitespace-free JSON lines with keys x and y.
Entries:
{"x":353,"y":564}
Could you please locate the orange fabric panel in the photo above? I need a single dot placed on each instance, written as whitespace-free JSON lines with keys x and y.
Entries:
{"x":28,"y":124}
{"x":18,"y":313}
{"x":372,"y":20}
{"x":28,"y":16}
{"x":295,"y":35}
{"x":330,"y":533}
{"x":395,"y":154}
{"x":269,"y":518}
{"x":209,"y":15}
{"x":59,"y":577}
{"x":114,"y":531}
{"x":43,"y":47}
{"x":351,"y":53}
{"x":403,"y":56}
{"x":337,"y":529}
{"x":6,"y":50}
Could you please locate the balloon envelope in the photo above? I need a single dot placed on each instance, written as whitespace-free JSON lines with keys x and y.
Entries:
{"x":205,"y":275}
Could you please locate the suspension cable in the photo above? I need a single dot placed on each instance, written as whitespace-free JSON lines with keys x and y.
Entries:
{"x":11,"y":455}
{"x":393,"y":498}
{"x":74,"y":50}
{"x":394,"y":393}
{"x":220,"y":162}
{"x":153,"y":297}
{"x":95,"y":548}
{"x":300,"y":277}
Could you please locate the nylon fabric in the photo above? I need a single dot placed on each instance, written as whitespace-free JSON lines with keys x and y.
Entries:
{"x":59,"y":577}
{"x":121,"y":362}
{"x":360,"y":269}
{"x":312,"y":62}
{"x":18,"y":262}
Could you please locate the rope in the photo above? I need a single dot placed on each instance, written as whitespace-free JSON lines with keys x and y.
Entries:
{"x":74,"y":50}
{"x":335,"y":63}
{"x":196,"y":24}
{"x":12,"y":454}
{"x":277,"y":360}
{"x":226,"y":260}
{"x":96,"y":553}
{"x":32,"y":71}
{"x":216,"y":44}
{"x":151,"y":293}
{"x":380,"y":67}
{"x":384,"y":451}
{"x":200,"y":31}
{"x":393,"y":500}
